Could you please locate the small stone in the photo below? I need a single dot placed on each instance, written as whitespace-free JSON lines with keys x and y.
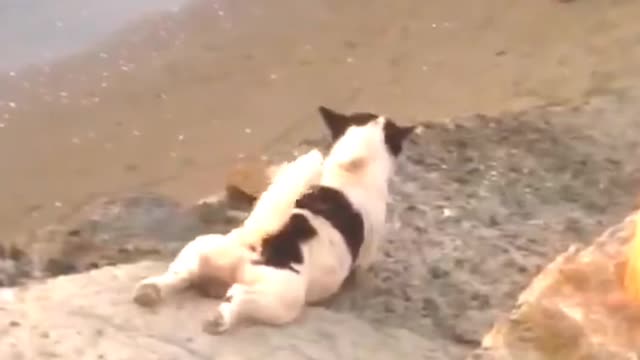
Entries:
{"x":147,"y":295}
{"x":437,"y":272}
{"x":131,"y":167}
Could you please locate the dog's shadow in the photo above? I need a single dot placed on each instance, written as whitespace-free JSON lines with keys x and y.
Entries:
{"x":355,"y":283}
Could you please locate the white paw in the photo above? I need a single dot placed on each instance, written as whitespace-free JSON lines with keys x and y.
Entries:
{"x":215,"y":324}
{"x":236,"y":290}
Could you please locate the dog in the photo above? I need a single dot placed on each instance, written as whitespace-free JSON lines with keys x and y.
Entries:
{"x":301,"y":251}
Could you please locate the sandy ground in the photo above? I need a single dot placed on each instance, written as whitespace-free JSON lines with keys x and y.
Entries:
{"x":169,"y":102}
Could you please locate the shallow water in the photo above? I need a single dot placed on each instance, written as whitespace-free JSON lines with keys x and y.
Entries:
{"x":38,"y":32}
{"x":98,"y":98}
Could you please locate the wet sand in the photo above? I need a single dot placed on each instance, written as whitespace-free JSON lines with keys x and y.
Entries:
{"x":174,"y":98}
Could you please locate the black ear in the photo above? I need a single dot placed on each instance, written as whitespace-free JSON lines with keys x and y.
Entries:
{"x":336,"y":122}
{"x":395,"y":135}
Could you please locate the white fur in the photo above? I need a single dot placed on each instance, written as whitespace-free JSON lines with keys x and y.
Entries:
{"x":359,"y":165}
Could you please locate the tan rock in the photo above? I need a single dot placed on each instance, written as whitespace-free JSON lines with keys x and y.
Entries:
{"x":574,"y":309}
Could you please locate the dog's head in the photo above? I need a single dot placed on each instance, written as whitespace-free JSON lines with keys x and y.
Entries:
{"x":362,"y":140}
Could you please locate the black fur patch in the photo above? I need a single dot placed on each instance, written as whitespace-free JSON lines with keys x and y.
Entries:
{"x":395,"y":135}
{"x":282,"y":249}
{"x":333,"y":205}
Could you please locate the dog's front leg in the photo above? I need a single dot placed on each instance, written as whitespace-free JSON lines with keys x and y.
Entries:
{"x":182,"y":271}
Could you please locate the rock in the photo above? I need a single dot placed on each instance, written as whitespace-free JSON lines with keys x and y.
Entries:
{"x":574,"y":309}
{"x":113,"y":230}
{"x":91,"y":316}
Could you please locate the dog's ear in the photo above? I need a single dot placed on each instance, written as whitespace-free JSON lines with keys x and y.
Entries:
{"x":395,"y":135}
{"x":336,"y":122}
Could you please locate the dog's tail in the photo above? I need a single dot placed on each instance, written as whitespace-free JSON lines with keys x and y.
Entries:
{"x":274,"y":206}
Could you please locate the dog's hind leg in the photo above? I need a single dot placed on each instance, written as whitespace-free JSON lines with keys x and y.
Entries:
{"x":277,"y":298}
{"x":183,"y":271}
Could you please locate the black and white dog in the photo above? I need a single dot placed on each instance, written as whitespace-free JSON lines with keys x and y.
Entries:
{"x":327,"y":219}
